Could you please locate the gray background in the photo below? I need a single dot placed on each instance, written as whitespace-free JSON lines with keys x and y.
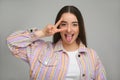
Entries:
{"x":102,"y":21}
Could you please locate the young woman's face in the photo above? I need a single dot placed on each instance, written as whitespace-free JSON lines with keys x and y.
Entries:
{"x":70,"y":23}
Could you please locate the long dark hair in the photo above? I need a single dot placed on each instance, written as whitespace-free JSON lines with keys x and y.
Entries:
{"x":72,"y":9}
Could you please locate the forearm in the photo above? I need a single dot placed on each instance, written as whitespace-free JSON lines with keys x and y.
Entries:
{"x":24,"y":38}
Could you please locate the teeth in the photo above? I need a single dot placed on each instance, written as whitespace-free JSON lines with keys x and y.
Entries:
{"x":69,"y":35}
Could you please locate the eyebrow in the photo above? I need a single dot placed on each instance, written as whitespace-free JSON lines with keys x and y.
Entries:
{"x":75,"y":22}
{"x":63,"y":21}
{"x":66,"y":22}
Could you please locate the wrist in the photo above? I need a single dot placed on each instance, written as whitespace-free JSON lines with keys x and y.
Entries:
{"x":39,"y":33}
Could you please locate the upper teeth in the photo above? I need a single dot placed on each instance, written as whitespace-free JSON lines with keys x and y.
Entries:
{"x":69,"y":35}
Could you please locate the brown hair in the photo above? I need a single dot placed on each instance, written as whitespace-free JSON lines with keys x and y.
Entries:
{"x":72,"y":9}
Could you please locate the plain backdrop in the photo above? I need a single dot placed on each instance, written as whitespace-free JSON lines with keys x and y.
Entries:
{"x":102,"y":23}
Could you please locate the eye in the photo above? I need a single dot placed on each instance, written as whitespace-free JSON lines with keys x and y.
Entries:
{"x":63,"y":24}
{"x":75,"y":24}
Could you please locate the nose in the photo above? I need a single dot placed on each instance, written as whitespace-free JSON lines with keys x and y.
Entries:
{"x":69,"y":28}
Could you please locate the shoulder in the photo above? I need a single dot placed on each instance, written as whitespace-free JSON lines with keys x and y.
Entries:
{"x":87,"y":50}
{"x":93,"y":55}
{"x":91,"y":52}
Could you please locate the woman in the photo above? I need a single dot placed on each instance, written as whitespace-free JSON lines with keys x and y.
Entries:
{"x":66,"y":58}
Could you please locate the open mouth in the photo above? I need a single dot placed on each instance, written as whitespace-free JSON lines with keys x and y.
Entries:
{"x":69,"y":37}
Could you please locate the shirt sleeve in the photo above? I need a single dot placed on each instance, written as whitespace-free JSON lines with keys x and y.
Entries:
{"x":100,"y":70}
{"x":18,"y":42}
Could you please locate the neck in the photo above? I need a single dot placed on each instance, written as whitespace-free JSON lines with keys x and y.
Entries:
{"x":71,"y":47}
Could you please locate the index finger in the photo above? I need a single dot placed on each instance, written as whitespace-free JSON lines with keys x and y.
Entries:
{"x":58,"y":23}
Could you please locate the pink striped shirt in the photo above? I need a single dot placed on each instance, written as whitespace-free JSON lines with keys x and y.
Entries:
{"x":50,"y":62}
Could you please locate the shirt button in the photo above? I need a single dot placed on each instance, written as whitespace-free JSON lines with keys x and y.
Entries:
{"x":79,"y":55}
{"x":31,"y":30}
{"x":83,"y":75}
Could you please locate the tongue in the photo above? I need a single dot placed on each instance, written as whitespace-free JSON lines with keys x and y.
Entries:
{"x":69,"y":38}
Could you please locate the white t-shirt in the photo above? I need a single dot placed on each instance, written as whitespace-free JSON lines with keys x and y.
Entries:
{"x":73,"y":72}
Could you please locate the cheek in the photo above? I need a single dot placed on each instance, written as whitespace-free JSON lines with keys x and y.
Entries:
{"x":77,"y":30}
{"x":61,"y":34}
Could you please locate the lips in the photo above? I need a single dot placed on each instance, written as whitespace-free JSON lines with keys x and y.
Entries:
{"x":69,"y":37}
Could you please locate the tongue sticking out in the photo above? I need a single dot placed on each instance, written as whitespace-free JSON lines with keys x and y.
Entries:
{"x":69,"y":38}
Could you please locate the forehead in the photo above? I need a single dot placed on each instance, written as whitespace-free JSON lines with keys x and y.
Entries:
{"x":69,"y":17}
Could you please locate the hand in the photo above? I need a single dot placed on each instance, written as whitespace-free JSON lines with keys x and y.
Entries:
{"x":50,"y":30}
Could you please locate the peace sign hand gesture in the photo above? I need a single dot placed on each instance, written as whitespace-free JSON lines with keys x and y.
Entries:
{"x":50,"y":30}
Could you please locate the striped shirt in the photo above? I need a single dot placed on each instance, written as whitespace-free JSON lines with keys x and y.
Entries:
{"x":50,"y":62}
